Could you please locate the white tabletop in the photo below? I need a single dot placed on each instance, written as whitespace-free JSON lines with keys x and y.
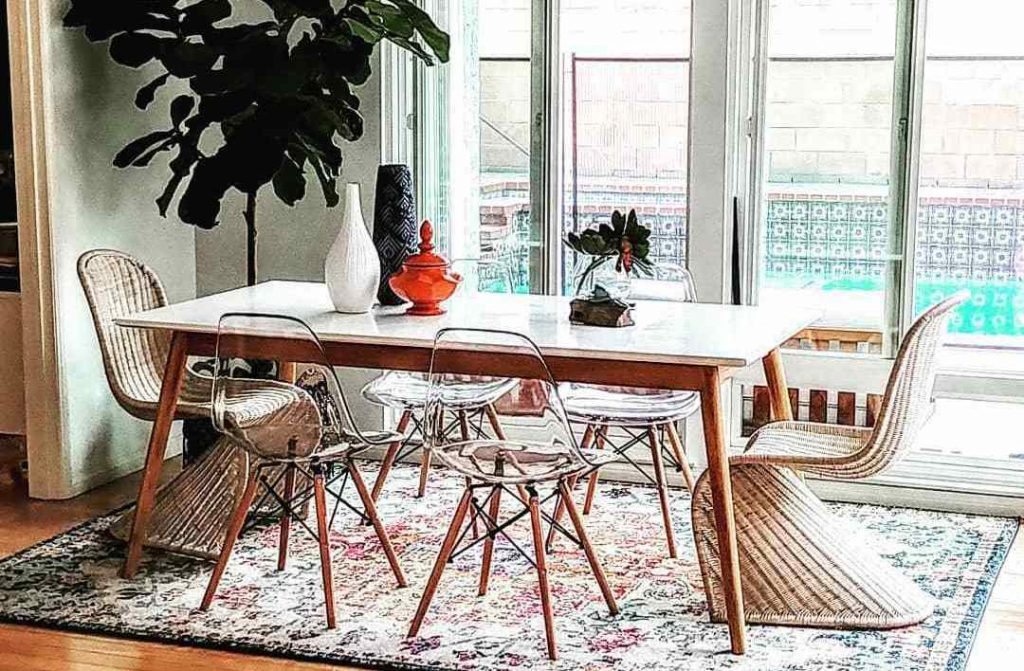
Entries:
{"x":665,"y":332}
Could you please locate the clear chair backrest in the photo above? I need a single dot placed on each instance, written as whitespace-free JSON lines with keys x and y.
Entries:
{"x":670,"y":282}
{"x":906,"y":405}
{"x":459,"y":353}
{"x":116,"y":285}
{"x":491,"y":276}
{"x":320,"y":416}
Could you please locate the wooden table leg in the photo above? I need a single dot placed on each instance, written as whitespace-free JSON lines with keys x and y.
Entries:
{"x":782,"y":409}
{"x":174,"y":376}
{"x":721,"y":498}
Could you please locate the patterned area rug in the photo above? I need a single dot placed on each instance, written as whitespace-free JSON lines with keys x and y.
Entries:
{"x":71,"y":582}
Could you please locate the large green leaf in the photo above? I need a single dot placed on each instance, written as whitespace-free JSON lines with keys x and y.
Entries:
{"x":145,"y":95}
{"x":267,"y":100}
{"x":289,"y":182}
{"x":138,"y":146}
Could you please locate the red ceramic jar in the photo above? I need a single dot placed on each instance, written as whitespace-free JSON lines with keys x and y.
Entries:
{"x":426,"y":278}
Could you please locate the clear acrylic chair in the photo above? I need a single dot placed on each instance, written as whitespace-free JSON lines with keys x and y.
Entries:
{"x":406,"y":392}
{"x":515,"y":466}
{"x":638,"y":415}
{"x":294,"y":436}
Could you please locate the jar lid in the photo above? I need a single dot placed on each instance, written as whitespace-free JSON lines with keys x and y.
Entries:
{"x":426,"y":257}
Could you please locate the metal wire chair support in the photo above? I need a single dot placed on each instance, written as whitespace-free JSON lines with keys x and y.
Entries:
{"x":494,"y":528}
{"x":294,"y":507}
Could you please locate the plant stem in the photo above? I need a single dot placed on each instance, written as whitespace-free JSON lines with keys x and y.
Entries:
{"x":250,"y":239}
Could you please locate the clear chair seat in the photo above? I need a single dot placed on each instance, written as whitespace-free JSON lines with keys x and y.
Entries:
{"x":626,"y":406}
{"x":522,"y":461}
{"x":408,"y":391}
{"x":276,"y":419}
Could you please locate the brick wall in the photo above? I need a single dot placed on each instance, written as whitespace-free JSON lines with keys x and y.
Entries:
{"x":827,"y":121}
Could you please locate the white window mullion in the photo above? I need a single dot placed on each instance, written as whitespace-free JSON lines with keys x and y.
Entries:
{"x":712,"y":151}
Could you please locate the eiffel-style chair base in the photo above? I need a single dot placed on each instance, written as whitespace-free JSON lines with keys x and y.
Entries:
{"x":291,"y":504}
{"x":665,"y":446}
{"x":467,"y":423}
{"x":489,"y":511}
{"x":800,"y":565}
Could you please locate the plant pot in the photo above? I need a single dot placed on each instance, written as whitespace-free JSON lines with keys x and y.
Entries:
{"x":352,"y":269}
{"x":394,"y":225}
{"x":616,"y":284}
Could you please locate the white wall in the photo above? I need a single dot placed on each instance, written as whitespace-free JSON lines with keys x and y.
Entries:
{"x":87,"y":102}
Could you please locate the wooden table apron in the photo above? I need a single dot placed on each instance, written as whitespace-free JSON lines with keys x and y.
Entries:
{"x":705,"y":379}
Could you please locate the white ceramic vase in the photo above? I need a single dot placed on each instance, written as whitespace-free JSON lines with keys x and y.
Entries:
{"x":352,"y":269}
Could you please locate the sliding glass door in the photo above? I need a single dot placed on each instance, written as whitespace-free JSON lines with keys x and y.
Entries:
{"x":547,"y":121}
{"x":625,"y":82}
{"x":970,"y":200}
{"x":826,"y":211}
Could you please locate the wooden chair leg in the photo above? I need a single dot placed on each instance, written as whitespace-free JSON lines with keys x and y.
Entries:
{"x":659,"y":477}
{"x":588,"y":549}
{"x":464,"y":432}
{"x":542,"y":576}
{"x":588,"y":502}
{"x":588,"y":437}
{"x":559,"y":511}
{"x":492,"y":417}
{"x":680,"y":455}
{"x":424,"y":472}
{"x":378,"y":526}
{"x":323,"y":540}
{"x":391,"y":455}
{"x":442,"y":558}
{"x":485,"y":567}
{"x":234,"y":528}
{"x":286,"y":518}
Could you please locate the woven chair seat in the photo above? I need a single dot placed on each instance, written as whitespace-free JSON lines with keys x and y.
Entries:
{"x":800,"y":565}
{"x":626,"y":406}
{"x":818,"y":448}
{"x":193,"y":401}
{"x":522,"y":461}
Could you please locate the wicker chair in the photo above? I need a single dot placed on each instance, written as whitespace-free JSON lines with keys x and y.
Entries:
{"x":192,"y":511}
{"x":117,"y":285}
{"x":800,"y":565}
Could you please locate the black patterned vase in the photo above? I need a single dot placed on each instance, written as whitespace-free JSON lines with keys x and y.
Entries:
{"x":394,"y":225}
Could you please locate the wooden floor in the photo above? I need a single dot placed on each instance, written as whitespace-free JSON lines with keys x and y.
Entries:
{"x":1000,"y":643}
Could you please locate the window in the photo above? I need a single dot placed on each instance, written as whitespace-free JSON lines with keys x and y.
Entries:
{"x":617,"y":109}
{"x":970,"y":213}
{"x":841,"y":104}
{"x":625,"y":72}
{"x":828,"y":136}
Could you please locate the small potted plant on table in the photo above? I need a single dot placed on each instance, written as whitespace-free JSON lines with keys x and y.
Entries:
{"x":608,"y":256}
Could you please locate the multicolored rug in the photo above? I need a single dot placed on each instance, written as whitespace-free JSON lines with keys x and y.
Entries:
{"x":71,"y":582}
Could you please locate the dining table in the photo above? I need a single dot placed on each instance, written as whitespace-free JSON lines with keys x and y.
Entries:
{"x":672,"y":345}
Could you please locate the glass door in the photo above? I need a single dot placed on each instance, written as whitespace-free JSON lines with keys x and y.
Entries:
{"x":473,"y":134}
{"x":970,"y":200}
{"x":624,"y":108}
{"x":825,"y":205}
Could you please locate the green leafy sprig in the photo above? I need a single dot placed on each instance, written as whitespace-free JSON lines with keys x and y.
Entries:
{"x":627,"y":241}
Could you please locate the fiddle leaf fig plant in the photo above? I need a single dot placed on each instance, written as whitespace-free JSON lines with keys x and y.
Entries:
{"x":267,"y":97}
